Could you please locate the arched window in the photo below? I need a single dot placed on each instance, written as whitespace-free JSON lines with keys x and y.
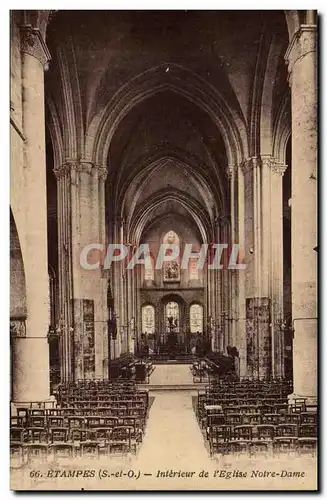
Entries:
{"x":171,"y":269}
{"x":172,"y":317}
{"x":148,"y":319}
{"x":196,"y":318}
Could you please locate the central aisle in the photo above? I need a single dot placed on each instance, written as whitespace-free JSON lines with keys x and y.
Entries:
{"x":173,"y":441}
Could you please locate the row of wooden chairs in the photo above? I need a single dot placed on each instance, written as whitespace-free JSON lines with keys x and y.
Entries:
{"x":100,"y":384}
{"x":105,"y":396}
{"x":54,"y":435}
{"x":86,"y":421}
{"x":257,"y":418}
{"x":262,"y":431}
{"x":267,"y":438}
{"x":96,"y":417}
{"x":251,"y":416}
{"x":244,"y":394}
{"x":276,"y":447}
{"x":102,"y":404}
{"x":249,"y":384}
{"x":77,"y":443}
{"x":202,"y":413}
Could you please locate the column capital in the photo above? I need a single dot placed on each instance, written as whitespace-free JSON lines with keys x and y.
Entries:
{"x":80,"y":166}
{"x":32,"y":43}
{"x":278,"y":168}
{"x":274,"y":165}
{"x":232,"y":171}
{"x":303,"y":42}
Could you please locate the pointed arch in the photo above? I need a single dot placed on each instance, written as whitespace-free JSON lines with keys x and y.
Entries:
{"x":229,"y":120}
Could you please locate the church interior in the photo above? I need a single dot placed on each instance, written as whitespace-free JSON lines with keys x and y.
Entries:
{"x":184,"y":128}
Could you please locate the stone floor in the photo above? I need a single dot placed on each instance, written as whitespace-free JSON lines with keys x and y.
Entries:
{"x":173,"y":456}
{"x":171,"y":375}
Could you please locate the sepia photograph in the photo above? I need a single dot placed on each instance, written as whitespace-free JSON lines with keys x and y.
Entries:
{"x":163,"y":250}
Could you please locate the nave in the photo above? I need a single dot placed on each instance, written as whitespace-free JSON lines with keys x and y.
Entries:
{"x":163,"y":235}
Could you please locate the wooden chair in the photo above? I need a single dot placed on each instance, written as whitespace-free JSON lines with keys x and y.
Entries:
{"x":308,"y":418}
{"x":23,"y":414}
{"x":287,"y":444}
{"x":55,"y":421}
{"x":90,"y":449}
{"x":37,"y":452}
{"x":36,"y":420}
{"x":17,"y":435}
{"x":265,"y":432}
{"x":76,"y":422}
{"x":287,"y":430}
{"x":242,"y":432}
{"x":58,"y":434}
{"x":92,"y":421}
{"x":214,"y":419}
{"x":251,"y":418}
{"x":260,"y":447}
{"x":281,"y":408}
{"x":102,"y":436}
{"x":298,"y":405}
{"x":270,"y":418}
{"x":307,"y":440}
{"x":62,"y":450}
{"x":307,"y":430}
{"x":239,"y":448}
{"x":17,"y":455}
{"x":36,"y":434}
{"x":234,"y":419}
{"x":16,"y":422}
{"x":77,"y":435}
{"x":286,"y":438}
{"x":121,"y":439}
{"x":218,"y":437}
{"x":289,"y":418}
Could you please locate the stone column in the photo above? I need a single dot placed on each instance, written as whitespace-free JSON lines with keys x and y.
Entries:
{"x":30,"y":352}
{"x":82,"y":294}
{"x":301,"y":60}
{"x":276,"y":277}
{"x":232,"y":273}
{"x":240,"y":222}
{"x":226,"y":293}
{"x":257,"y":206}
{"x":272,"y":256}
{"x":130,"y":304}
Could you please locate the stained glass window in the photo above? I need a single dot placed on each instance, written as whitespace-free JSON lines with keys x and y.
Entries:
{"x":148,"y":319}
{"x":171,"y":269}
{"x":172,"y":317}
{"x":196,"y":318}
